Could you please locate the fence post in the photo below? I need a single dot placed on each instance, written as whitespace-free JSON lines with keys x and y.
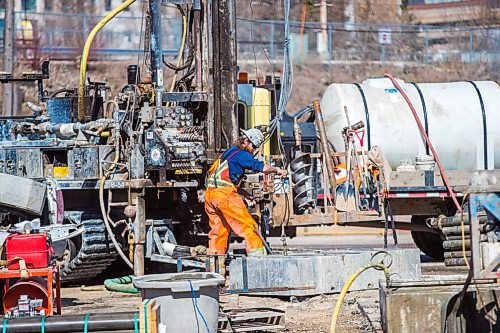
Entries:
{"x":271,"y":41}
{"x":426,"y":45}
{"x":470,"y":46}
{"x":84,"y":25}
{"x":330,"y":41}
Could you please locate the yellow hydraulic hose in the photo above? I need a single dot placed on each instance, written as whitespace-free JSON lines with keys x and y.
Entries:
{"x":181,"y":50}
{"x":85,"y":55}
{"x":103,"y":209}
{"x":353,"y":277}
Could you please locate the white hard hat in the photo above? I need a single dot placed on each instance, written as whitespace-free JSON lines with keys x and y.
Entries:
{"x":254,"y":135}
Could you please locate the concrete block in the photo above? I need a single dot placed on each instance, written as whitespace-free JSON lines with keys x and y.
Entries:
{"x":309,"y":274}
{"x":22,"y":194}
{"x":430,"y":305}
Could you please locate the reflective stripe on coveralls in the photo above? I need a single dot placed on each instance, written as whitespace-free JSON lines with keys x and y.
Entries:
{"x":226,"y":210}
{"x":218,"y":174}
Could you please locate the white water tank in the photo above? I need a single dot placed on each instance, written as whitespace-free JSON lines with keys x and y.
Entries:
{"x":462,"y":120}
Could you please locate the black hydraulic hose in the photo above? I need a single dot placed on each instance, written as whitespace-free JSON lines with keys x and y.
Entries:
{"x":98,"y":322}
{"x":188,"y":63}
{"x":57,"y":92}
{"x":190,"y":57}
{"x":183,"y":78}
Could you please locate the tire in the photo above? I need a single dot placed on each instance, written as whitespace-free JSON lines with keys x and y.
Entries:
{"x":429,"y":243}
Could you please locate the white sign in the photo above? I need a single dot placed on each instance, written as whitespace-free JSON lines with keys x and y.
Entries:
{"x":384,"y":36}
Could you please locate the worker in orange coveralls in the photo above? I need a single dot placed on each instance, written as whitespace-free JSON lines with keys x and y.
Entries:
{"x":223,"y":205}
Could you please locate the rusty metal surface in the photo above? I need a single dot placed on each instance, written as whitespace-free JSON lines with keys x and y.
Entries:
{"x":416,"y":306}
{"x":457,"y":178}
{"x":324,"y":147}
{"x":485,"y":256}
{"x":251,"y":320}
{"x":320,"y":218}
{"x":109,"y":184}
{"x":29,"y":163}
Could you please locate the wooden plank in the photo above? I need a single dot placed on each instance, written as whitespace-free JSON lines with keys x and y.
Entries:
{"x":146,"y":318}
{"x":155,"y":316}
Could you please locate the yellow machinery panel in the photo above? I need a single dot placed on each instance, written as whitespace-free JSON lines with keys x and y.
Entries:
{"x":259,"y":113}
{"x":61,"y":172}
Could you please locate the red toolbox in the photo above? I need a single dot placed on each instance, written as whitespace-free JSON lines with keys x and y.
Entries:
{"x":33,"y":248}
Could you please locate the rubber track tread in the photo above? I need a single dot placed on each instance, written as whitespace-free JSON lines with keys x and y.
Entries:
{"x":96,"y":253}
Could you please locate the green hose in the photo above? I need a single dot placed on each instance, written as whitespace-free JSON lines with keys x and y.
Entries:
{"x":122,"y":285}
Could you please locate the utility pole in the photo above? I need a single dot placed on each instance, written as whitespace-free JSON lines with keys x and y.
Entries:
{"x":8,"y":57}
{"x":323,"y":34}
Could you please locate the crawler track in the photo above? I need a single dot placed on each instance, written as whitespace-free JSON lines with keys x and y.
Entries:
{"x":96,"y":253}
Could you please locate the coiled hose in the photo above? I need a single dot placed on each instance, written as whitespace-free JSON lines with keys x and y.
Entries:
{"x":103,"y":209}
{"x":121,"y":284}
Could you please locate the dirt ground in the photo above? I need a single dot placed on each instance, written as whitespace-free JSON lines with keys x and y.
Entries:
{"x":311,"y":314}
{"x":301,"y":315}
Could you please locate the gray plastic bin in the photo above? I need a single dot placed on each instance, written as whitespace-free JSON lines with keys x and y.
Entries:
{"x":178,"y":311}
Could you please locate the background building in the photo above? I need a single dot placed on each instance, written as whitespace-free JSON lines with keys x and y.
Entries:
{"x":474,"y":12}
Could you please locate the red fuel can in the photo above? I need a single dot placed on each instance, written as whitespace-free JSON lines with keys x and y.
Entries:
{"x":33,"y":248}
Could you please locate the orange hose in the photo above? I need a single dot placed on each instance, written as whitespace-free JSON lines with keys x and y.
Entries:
{"x":422,"y":131}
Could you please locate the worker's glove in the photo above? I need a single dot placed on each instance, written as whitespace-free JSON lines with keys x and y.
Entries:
{"x":281,"y":172}
{"x":199,"y":252}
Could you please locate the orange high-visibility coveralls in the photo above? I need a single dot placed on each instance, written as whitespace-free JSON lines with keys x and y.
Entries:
{"x":226,"y":210}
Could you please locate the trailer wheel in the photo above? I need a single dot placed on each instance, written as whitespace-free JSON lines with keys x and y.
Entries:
{"x":429,"y":243}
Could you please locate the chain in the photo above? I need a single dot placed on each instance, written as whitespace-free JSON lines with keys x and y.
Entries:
{"x":283,"y":239}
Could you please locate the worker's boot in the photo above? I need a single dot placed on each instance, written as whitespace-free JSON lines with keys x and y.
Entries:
{"x":260,"y":252}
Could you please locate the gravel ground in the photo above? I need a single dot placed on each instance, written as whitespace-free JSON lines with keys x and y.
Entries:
{"x":301,"y":315}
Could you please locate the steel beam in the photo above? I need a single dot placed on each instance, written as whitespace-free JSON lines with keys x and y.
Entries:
{"x":156,"y":49}
{"x":8,"y":58}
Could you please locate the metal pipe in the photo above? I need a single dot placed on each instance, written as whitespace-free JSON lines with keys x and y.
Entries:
{"x":197,"y":43}
{"x":139,"y":233}
{"x":456,"y":254}
{"x":109,"y":322}
{"x":156,"y":49}
{"x":457,"y":230}
{"x":456,"y":244}
{"x":8,"y":57}
{"x":457,"y":220}
{"x":398,"y":225}
{"x":456,"y":261}
{"x":482,"y":237}
{"x":324,"y":147}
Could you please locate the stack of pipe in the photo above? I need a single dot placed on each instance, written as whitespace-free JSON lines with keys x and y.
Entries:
{"x":98,"y":322}
{"x":453,"y":245}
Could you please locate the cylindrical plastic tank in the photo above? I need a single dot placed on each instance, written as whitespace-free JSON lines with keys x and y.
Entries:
{"x":189,"y":302}
{"x":259,"y":113}
{"x":462,"y":120}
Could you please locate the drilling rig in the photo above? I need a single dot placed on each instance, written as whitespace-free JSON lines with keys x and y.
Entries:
{"x":119,"y":176}
{"x":110,"y":176}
